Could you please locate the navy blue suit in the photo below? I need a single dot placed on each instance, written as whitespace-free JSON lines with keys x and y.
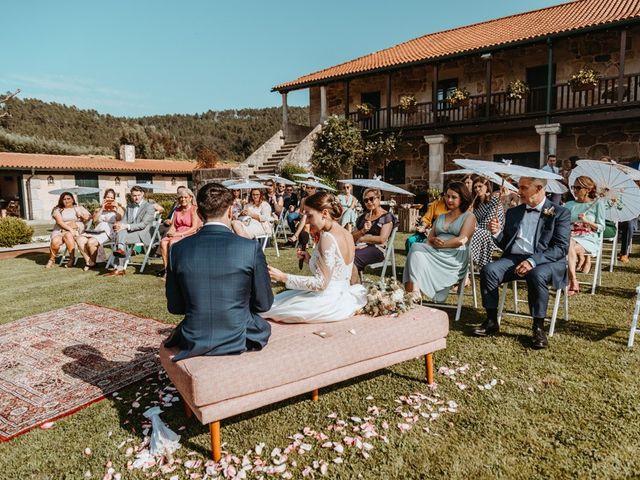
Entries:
{"x":551,"y":245}
{"x":220,"y":282}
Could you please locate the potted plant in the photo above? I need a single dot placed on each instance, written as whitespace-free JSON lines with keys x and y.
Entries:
{"x":408,"y":104}
{"x":458,"y":97}
{"x":517,"y":90}
{"x":584,"y":79}
{"x":365,"y":111}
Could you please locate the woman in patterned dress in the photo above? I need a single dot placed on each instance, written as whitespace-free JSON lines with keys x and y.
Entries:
{"x":485,"y":207}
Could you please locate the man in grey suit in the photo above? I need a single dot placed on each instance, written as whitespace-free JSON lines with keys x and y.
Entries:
{"x":135,"y":227}
{"x":219,"y":281}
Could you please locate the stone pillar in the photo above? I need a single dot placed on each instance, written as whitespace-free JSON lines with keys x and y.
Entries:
{"x":548,"y":139}
{"x":436,"y":158}
{"x":285,"y":114}
{"x":323,"y":103}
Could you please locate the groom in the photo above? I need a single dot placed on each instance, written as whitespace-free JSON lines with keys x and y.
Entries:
{"x":219,"y":282}
{"x":535,"y":242}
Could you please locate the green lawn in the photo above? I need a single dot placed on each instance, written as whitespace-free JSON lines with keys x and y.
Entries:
{"x":571,"y":411}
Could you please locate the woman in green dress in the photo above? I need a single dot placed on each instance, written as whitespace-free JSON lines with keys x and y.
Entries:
{"x":435,"y":266}
{"x":587,"y":221}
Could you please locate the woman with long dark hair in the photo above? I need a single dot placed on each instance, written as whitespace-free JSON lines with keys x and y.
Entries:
{"x":70,"y":218}
{"x":486,"y":206}
{"x":432,"y":268}
{"x":255,"y":219}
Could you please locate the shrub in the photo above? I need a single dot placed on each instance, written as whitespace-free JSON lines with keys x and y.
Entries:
{"x":91,"y":206}
{"x":14,"y":231}
{"x":288,"y":170}
{"x":337,"y":148}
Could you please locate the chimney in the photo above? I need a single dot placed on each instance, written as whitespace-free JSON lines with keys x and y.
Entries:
{"x":128,"y":153}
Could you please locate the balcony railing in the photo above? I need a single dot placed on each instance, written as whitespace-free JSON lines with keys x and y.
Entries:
{"x":564,"y":99}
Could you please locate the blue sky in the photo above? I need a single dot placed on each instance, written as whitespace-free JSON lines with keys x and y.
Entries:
{"x":142,"y":57}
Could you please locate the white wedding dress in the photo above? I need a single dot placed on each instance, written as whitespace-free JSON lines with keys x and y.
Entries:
{"x":327,"y":296}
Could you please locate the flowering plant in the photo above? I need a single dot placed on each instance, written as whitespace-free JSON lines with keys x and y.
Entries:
{"x":408,"y":102}
{"x":458,"y":95}
{"x":585,"y":77}
{"x":389,"y":300}
{"x":517,"y":89}
{"x":365,"y":109}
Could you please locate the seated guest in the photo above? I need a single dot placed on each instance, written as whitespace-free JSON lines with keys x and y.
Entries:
{"x":372,"y":231}
{"x":104,"y":218}
{"x":164,"y":227}
{"x":534,"y":242}
{"x":301,"y":229}
{"x":135,"y":227}
{"x":348,"y":202}
{"x":436,"y":208}
{"x":70,"y":218}
{"x":434,"y":267}
{"x":220,"y":283}
{"x":238,"y":203}
{"x":274,"y":199}
{"x":289,"y":199}
{"x":185,"y":222}
{"x":485,"y":208}
{"x":587,"y":221}
{"x":255,"y":219}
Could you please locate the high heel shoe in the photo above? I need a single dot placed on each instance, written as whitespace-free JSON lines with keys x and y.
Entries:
{"x":70,"y":261}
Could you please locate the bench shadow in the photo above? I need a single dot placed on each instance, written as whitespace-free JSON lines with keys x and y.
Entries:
{"x":35,"y":257}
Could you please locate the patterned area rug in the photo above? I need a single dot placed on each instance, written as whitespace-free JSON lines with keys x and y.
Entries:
{"x":57,"y":362}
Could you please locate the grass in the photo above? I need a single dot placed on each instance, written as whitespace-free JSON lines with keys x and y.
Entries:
{"x":571,"y":411}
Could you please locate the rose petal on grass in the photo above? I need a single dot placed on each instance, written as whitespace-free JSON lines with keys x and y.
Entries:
{"x":47,"y":425}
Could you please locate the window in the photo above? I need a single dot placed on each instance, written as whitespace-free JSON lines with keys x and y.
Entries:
{"x":445,"y":88}
{"x":394,"y":172}
{"x":88,"y":180}
{"x":145,"y":178}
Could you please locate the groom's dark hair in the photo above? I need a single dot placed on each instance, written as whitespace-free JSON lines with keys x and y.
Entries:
{"x":213,"y":199}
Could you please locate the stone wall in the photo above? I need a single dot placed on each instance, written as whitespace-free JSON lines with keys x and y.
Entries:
{"x":619,"y":140}
{"x":600,"y":50}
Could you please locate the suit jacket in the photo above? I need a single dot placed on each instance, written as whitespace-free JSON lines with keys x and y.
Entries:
{"x":220,"y":282}
{"x":141,"y":223}
{"x":551,"y":242}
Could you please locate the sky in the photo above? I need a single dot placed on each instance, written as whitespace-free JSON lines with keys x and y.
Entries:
{"x":142,"y":57}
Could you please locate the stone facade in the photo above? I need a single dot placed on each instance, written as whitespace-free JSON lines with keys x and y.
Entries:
{"x":620,"y":140}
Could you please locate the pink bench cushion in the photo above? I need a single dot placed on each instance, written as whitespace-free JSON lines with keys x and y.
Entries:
{"x":295,"y":353}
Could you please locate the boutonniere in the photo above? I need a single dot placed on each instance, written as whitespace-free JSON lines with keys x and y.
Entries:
{"x":549,"y":212}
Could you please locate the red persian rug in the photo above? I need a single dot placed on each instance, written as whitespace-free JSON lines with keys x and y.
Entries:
{"x":55,"y":363}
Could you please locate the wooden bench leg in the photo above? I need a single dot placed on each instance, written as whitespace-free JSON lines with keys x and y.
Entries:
{"x":187,"y":409}
{"x":429,"y":365}
{"x":314,"y":395}
{"x":214,"y":428}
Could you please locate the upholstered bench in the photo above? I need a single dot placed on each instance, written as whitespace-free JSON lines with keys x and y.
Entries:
{"x":301,"y":358}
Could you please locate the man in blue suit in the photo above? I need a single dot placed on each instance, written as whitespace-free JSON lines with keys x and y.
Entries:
{"x":219,"y":282}
{"x":535,"y":242}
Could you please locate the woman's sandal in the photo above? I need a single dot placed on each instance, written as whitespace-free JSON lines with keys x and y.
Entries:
{"x":70,"y":261}
{"x":50,"y":263}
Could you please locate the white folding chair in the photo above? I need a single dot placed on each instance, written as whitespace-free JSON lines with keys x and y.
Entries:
{"x":265,"y":240}
{"x":147,"y":248}
{"x":597,"y":269}
{"x":63,"y":254}
{"x":613,"y":242}
{"x":282,"y":227}
{"x":390,"y":256}
{"x":460,"y":302}
{"x":634,"y":319}
{"x":517,"y":301}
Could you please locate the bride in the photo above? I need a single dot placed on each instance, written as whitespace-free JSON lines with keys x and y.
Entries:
{"x":327,"y":296}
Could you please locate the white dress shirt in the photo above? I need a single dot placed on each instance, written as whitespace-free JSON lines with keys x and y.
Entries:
{"x":216,"y":223}
{"x":523,"y":244}
{"x":549,"y":168}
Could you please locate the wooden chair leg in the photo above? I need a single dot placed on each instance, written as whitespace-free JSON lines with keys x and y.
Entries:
{"x":314,"y":395}
{"x":429,"y":365}
{"x":187,"y":409}
{"x":214,"y":429}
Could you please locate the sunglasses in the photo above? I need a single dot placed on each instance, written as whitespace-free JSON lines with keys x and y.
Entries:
{"x":369,"y":199}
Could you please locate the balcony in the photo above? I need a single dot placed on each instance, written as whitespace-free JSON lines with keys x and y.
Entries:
{"x":564,"y":100}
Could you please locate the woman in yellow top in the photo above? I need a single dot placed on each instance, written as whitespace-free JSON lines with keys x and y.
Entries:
{"x":437,"y":207}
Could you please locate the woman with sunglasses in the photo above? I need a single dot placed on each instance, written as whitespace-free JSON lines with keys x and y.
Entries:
{"x":255,"y":219}
{"x":348,"y":203}
{"x":70,"y":218}
{"x":372,"y":231}
{"x":587,"y":221}
{"x":434,"y":267}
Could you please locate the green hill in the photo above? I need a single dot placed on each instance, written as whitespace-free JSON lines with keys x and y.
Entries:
{"x":40,"y":127}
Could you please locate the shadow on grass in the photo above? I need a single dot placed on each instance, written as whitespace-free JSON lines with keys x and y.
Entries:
{"x":37,"y":258}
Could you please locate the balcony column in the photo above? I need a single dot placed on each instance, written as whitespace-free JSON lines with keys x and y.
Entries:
{"x":436,"y":158}
{"x":285,"y":114}
{"x":323,"y":103}
{"x":548,"y":140}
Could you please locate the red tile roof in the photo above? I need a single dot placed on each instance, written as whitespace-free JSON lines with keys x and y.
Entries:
{"x":536,"y":24}
{"x":27,"y":161}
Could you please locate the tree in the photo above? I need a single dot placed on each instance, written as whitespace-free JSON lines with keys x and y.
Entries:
{"x":3,"y":101}
{"x":337,"y":148}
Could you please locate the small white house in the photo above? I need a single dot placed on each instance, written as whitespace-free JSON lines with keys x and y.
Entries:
{"x":28,"y":178}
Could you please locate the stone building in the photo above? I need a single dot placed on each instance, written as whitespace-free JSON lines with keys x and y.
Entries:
{"x":542,"y":48}
{"x":29,"y":178}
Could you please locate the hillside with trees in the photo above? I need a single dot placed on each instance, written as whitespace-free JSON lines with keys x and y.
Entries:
{"x":35,"y":126}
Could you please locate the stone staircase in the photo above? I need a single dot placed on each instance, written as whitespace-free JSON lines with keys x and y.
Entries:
{"x":269,"y":166}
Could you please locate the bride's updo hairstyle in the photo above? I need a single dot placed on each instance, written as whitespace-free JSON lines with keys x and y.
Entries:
{"x":323,"y":200}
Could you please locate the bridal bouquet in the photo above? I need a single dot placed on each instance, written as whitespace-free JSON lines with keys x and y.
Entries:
{"x":390,"y":300}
